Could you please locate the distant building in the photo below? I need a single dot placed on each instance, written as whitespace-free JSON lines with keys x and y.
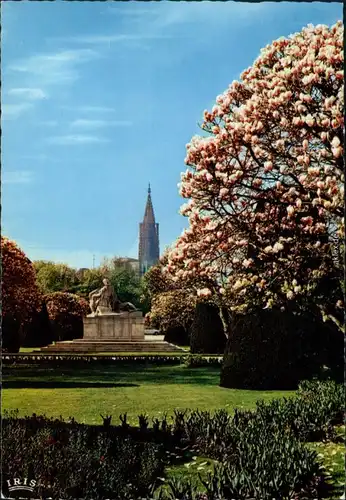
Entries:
{"x":128,"y":263}
{"x":149,"y":248}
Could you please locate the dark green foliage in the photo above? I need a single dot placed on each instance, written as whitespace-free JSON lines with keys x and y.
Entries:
{"x":74,"y":360}
{"x":69,"y":328}
{"x":78,"y":461}
{"x":127,"y":285}
{"x":197,"y":360}
{"x":178,"y":335}
{"x":12,"y":334}
{"x":38,"y":331}
{"x":275,"y":350}
{"x":261,"y":453}
{"x":207,"y":332}
{"x":264,"y":465}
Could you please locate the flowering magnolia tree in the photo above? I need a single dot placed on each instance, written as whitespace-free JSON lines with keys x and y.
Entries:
{"x":173,"y":297}
{"x":66,"y":312}
{"x":266,"y":183}
{"x":20,"y":294}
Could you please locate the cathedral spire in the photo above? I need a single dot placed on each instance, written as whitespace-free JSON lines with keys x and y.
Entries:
{"x":149,"y":216}
{"x":149,"y":249}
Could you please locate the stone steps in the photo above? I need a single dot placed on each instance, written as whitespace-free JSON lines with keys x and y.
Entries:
{"x":82,"y":345}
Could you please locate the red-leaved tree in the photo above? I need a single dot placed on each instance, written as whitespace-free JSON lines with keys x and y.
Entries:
{"x":20,"y":294}
{"x":66,"y":312}
{"x":266,"y":182}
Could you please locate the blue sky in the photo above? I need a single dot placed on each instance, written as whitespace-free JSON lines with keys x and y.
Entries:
{"x":99,"y":98}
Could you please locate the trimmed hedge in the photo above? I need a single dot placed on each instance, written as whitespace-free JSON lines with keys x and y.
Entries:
{"x":38,"y":331}
{"x":275,"y":350}
{"x":178,"y":335}
{"x":207,"y":331}
{"x":44,"y":358}
{"x":12,"y":334}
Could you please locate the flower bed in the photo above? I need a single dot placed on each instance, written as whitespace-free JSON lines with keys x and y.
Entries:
{"x":44,"y":358}
{"x":123,"y":461}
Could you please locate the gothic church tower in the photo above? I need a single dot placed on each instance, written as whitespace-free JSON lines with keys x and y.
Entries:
{"x":149,"y":250}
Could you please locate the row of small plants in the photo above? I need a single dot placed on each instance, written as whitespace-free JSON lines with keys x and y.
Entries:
{"x":72,"y":462}
{"x":260,"y":454}
{"x":159,"y":359}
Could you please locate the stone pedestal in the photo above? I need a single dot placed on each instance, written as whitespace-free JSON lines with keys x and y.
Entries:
{"x":122,"y":327}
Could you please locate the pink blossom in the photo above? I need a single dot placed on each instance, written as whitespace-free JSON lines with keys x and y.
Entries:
{"x":278,"y":247}
{"x":247,"y":262}
{"x":290,"y":210}
{"x":335,"y":142}
{"x":223,"y":192}
{"x":268,"y":166}
{"x":268,"y":125}
{"x":209,"y":177}
{"x":204,"y":292}
{"x":337,"y":152}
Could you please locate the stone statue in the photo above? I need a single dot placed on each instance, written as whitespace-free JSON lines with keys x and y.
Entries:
{"x":101,"y":299}
{"x":104,"y":300}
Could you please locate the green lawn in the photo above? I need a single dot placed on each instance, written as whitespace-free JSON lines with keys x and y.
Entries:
{"x":86,"y":392}
{"x":332,"y":458}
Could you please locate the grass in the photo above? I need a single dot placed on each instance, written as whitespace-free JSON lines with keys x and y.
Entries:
{"x":332,"y":458}
{"x":86,"y":392}
{"x":116,"y":389}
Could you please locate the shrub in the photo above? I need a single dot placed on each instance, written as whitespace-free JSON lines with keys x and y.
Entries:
{"x":20,"y":294}
{"x":38,"y":331}
{"x":275,"y":350}
{"x":66,"y":312}
{"x":172,"y":309}
{"x":207,"y":332}
{"x":196,"y":360}
{"x":78,"y":461}
{"x":73,"y":360}
{"x":252,"y":471}
{"x":178,"y":335}
{"x":261,"y":452}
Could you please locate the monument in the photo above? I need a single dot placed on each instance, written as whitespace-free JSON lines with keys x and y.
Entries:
{"x":112,"y":320}
{"x":115,"y":326}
